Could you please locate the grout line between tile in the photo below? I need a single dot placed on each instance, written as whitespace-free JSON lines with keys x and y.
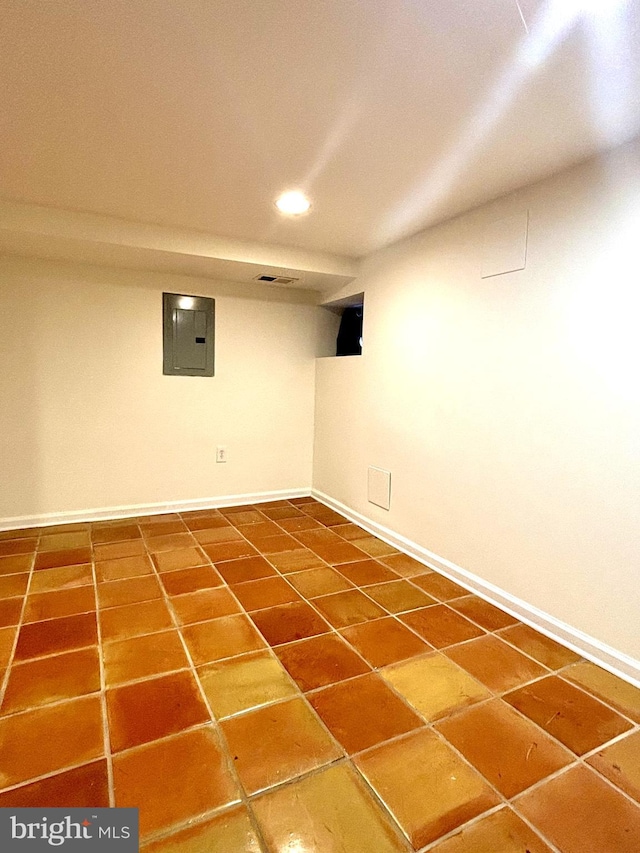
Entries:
{"x":103,"y":689}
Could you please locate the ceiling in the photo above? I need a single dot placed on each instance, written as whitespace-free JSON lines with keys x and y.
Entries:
{"x":391,"y":114}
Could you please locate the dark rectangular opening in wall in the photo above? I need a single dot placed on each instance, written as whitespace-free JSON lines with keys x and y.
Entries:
{"x":349,"y":336}
{"x":349,"y":341}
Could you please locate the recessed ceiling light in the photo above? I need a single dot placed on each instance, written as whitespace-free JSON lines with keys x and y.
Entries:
{"x":293,"y":203}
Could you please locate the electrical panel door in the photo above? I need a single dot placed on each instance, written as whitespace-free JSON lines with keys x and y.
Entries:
{"x":188,"y":324}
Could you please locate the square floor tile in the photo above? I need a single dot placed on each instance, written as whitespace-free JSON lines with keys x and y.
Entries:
{"x":10,"y":611}
{"x":289,"y":622}
{"x":195,"y":764}
{"x":10,"y":547}
{"x":349,"y":531}
{"x":204,"y":605}
{"x":578,"y":811}
{"x":13,"y":585}
{"x":115,"y":550}
{"x":61,"y":541}
{"x":51,"y":738}
{"x":131,"y":620}
{"x":15,"y":564}
{"x":242,"y":515}
{"x":66,"y":557}
{"x":611,"y":689}
{"x":210,"y":515}
{"x":118,"y":532}
{"x":620,"y":763}
{"x":374,"y":547}
{"x":230,"y":832}
{"x":336,"y":552}
{"x":276,"y":544}
{"x":123,"y":567}
{"x":247,"y":569}
{"x":7,"y":636}
{"x":482,"y":613}
{"x":316,"y":582}
{"x":64,"y":577}
{"x":363,"y":712}
{"x":82,"y":787}
{"x":324,"y":514}
{"x":142,"y":712}
{"x":141,"y":657}
{"x":266,"y":592}
{"x":384,"y":641}
{"x":221,"y":638}
{"x":495,"y":663}
{"x":347,"y":608}
{"x":320,"y":661}
{"x":209,"y":535}
{"x":219,"y":552}
{"x":434,"y":685}
{"x":297,"y":523}
{"x":277,"y":513}
{"x":63,"y":602}
{"x":536,"y":645}
{"x":573,"y":717}
{"x":170,"y":542}
{"x":500,"y":832}
{"x":56,"y":635}
{"x":365,"y":572}
{"x":319,"y":510}
{"x":190,"y":580}
{"x":206,"y":522}
{"x":331,"y":811}
{"x":277,"y":743}
{"x":439,"y":587}
{"x":129,"y":591}
{"x":162,"y":528}
{"x":245,"y":682}
{"x":330,"y":518}
{"x":404,"y":565}
{"x":428,"y":788}
{"x":508,"y":750}
{"x":399,"y":596}
{"x":259,"y":530}
{"x":440,"y":626}
{"x":46,"y":680}
{"x":183,"y":558}
{"x":296,"y":561}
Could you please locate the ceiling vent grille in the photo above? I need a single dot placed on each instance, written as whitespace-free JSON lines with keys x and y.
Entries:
{"x":276,"y":279}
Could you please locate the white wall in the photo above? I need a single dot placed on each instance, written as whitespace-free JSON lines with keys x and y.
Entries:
{"x":507,"y":408}
{"x":87,"y":420}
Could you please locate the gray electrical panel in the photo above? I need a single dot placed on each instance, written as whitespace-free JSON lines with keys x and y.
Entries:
{"x":188,"y":335}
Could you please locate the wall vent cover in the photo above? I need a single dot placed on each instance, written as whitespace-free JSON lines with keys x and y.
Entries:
{"x":276,"y":279}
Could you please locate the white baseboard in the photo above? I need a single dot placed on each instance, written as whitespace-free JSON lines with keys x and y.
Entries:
{"x":589,"y":647}
{"x":114,"y":512}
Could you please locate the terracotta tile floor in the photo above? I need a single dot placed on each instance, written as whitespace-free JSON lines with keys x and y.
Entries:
{"x":271,"y":678}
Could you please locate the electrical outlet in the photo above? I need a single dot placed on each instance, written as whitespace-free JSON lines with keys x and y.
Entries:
{"x":221,"y":453}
